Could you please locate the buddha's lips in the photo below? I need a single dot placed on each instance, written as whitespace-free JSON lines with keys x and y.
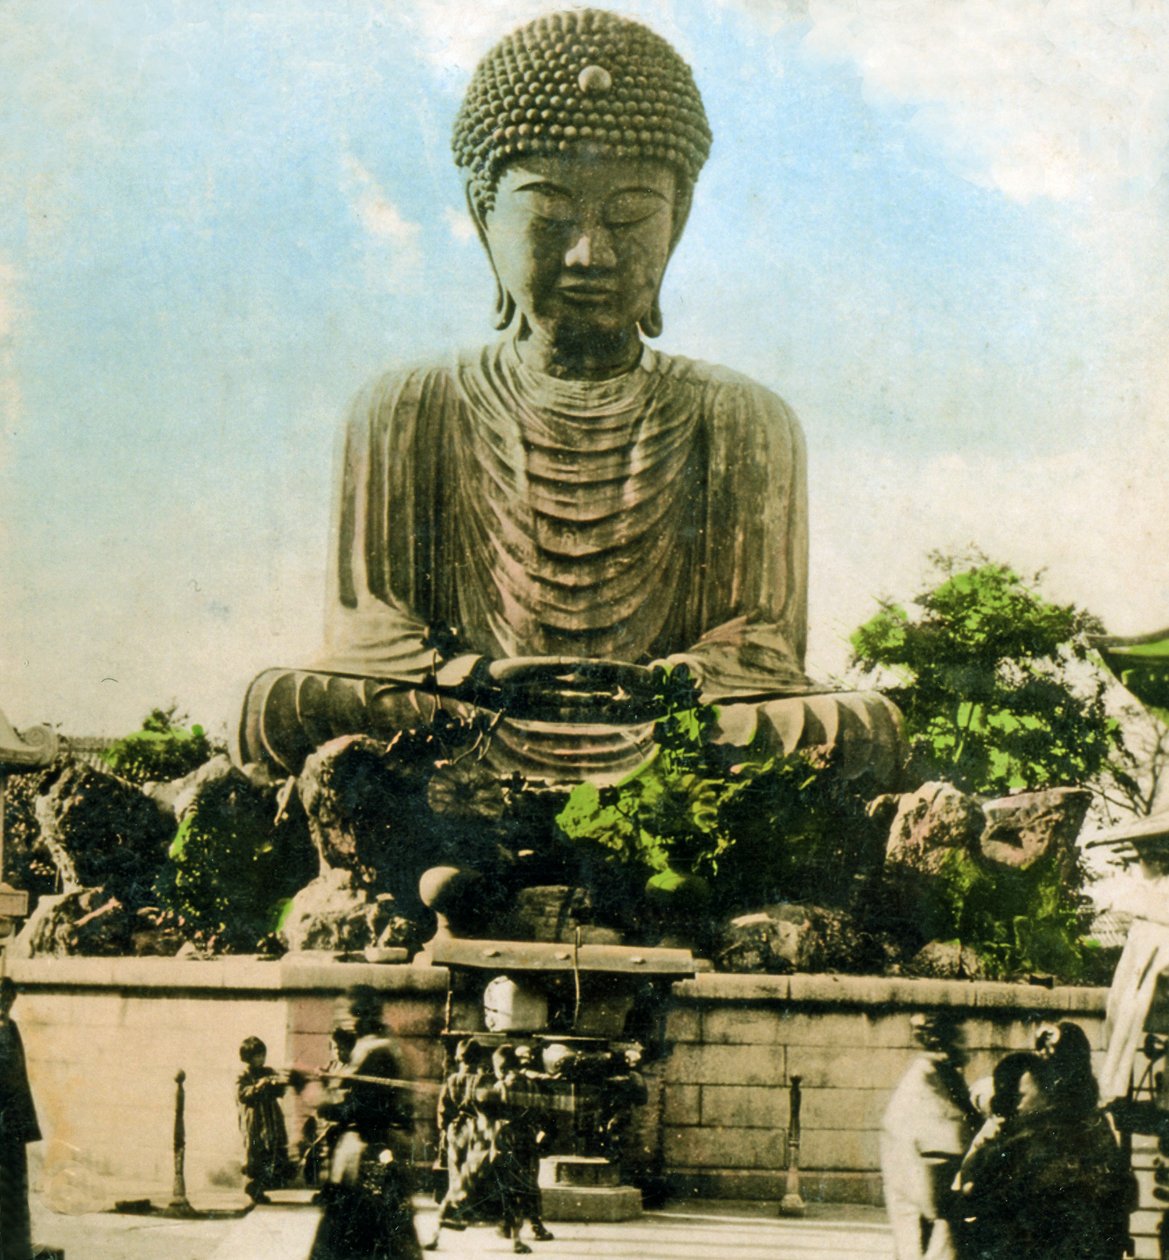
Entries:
{"x":592,"y":294}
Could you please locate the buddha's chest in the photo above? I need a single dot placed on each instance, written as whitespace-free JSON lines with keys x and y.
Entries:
{"x":552,"y":493}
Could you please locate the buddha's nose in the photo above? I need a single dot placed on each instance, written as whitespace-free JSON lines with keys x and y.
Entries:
{"x":592,"y":248}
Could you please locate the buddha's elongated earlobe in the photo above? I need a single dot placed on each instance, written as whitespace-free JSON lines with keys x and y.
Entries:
{"x":651,"y":323}
{"x":504,"y":302}
{"x":504,"y":306}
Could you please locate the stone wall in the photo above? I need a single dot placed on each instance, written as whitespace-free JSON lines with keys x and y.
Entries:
{"x":739,"y":1040}
{"x":105,"y":1038}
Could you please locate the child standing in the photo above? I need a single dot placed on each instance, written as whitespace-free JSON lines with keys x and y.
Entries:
{"x":258,"y":1091}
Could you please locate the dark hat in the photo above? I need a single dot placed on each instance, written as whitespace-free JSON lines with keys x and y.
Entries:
{"x":936,"y":1029}
{"x":365,"y":1002}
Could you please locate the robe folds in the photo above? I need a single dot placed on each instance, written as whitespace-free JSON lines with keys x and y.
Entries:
{"x":658,"y":514}
{"x":496,"y":512}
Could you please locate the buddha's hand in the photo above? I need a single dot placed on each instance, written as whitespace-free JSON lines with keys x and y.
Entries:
{"x":465,"y":675}
{"x":684,"y":667}
{"x":559,"y":688}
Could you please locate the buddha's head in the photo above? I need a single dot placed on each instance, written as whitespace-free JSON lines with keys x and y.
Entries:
{"x":581,"y":137}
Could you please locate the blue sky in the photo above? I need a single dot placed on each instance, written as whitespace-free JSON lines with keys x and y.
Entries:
{"x":938,"y":229}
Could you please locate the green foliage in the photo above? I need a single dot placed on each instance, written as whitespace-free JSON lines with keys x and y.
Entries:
{"x":996,"y":683}
{"x":1018,"y":921}
{"x":698,"y":823}
{"x":230,"y":868}
{"x":163,"y":749}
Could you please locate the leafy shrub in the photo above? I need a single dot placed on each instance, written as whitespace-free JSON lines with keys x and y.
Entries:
{"x":163,"y":749}
{"x":231,"y":869}
{"x":704,"y":820}
{"x":1018,"y":921}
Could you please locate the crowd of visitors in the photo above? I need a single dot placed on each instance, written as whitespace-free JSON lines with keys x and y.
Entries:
{"x":358,"y":1144}
{"x":491,"y":1116}
{"x":1025,"y":1166}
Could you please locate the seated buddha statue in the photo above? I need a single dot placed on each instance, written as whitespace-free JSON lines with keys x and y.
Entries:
{"x":527,"y":528}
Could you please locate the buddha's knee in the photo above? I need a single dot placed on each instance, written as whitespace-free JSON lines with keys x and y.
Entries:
{"x":862,"y":729}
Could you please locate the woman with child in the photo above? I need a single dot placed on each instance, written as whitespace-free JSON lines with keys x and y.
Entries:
{"x":1044,"y":1179}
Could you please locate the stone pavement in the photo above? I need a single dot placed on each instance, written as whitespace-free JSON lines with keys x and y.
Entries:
{"x":729,"y":1231}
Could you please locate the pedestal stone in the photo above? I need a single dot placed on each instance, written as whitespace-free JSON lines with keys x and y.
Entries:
{"x":585,"y":1188}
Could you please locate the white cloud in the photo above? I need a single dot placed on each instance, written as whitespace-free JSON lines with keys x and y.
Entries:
{"x":454,"y":38}
{"x":460,"y":225}
{"x":377,"y":213}
{"x":1065,"y":99}
{"x":393,"y":258}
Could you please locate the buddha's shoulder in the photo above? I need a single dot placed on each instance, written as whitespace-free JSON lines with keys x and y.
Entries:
{"x":727,"y":396}
{"x":408,"y":383}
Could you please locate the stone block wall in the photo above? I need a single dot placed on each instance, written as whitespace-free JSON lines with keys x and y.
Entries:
{"x":105,"y":1038}
{"x":739,"y":1040}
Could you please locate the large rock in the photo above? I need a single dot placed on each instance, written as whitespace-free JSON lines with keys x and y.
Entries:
{"x":930,"y":824}
{"x":177,"y":797}
{"x":28,"y":862}
{"x":933,"y":837}
{"x":334,"y":913}
{"x":1029,"y":827}
{"x":796,"y":937}
{"x":188,"y":789}
{"x":103,"y":833}
{"x":368,"y":816}
{"x":83,"y":921}
{"x":946,"y":960}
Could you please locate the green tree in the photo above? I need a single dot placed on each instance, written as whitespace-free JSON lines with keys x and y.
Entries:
{"x":998,"y":684}
{"x":163,"y":749}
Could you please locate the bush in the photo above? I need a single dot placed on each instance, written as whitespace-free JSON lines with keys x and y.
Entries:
{"x":1017,"y":921}
{"x":161,"y":750}
{"x":231,"y":870}
{"x":702,"y":821}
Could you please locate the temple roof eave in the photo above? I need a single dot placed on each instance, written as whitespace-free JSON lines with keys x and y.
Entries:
{"x":31,"y":750}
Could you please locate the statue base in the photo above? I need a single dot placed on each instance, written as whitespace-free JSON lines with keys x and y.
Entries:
{"x":585,"y":1188}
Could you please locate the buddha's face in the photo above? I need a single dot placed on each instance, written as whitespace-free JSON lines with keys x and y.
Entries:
{"x":581,"y":242}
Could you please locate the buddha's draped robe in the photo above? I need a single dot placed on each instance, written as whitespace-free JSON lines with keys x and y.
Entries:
{"x":658,"y":515}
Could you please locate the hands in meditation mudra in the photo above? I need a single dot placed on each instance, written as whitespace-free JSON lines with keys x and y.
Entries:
{"x":527,"y":528}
